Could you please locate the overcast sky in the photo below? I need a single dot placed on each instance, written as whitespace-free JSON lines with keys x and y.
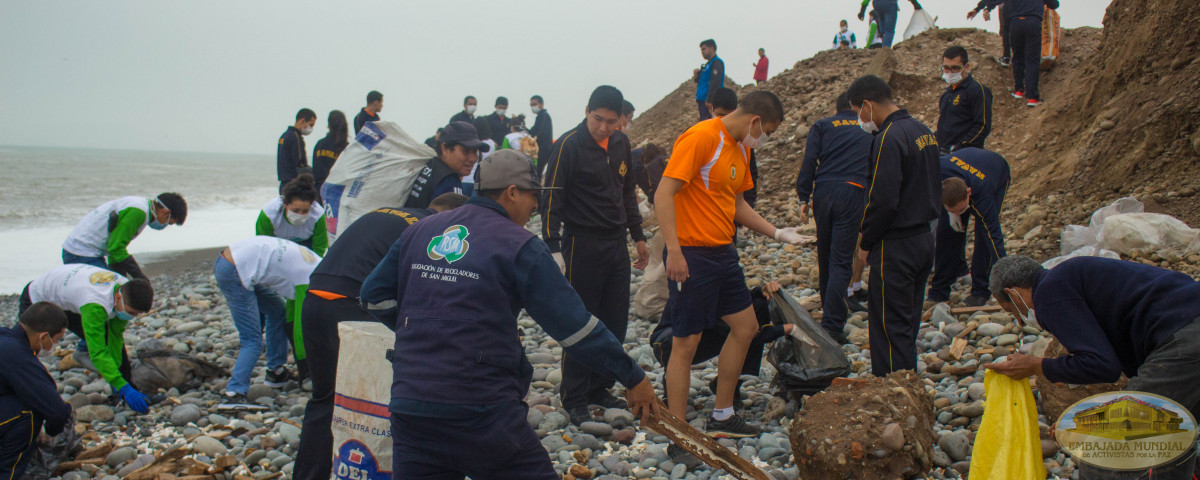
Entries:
{"x":228,"y":76}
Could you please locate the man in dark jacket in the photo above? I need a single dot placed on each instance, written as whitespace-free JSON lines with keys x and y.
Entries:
{"x":468,"y":112}
{"x":585,"y":224}
{"x":903,"y":199}
{"x":974,"y":184}
{"x":542,"y":130}
{"x":28,"y":397}
{"x":460,"y":146}
{"x":369,"y":113}
{"x":291,"y":158}
{"x":965,"y":109}
{"x":501,"y":124}
{"x":1025,"y":34}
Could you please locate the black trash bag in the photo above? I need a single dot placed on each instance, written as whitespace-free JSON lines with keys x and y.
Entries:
{"x":804,"y":367}
{"x":46,"y":456}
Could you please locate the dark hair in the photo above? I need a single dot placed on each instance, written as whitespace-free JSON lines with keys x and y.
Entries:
{"x":502,"y":101}
{"x":374,"y":96}
{"x":607,"y":97}
{"x":709,"y":43}
{"x":492,"y":193}
{"x":627,"y":108}
{"x":517,"y":124}
{"x":176,"y":204}
{"x":138,"y":294}
{"x":538,"y":98}
{"x":762,"y":49}
{"x":339,"y":130}
{"x":723,"y":98}
{"x":956,"y":52}
{"x":869,"y":87}
{"x":483,"y":128}
{"x":843,"y":102}
{"x":650,"y":152}
{"x":305,"y":114}
{"x":469,"y":98}
{"x":301,"y":188}
{"x":954,"y":191}
{"x":764,"y":104}
{"x":448,"y":201}
{"x":1013,"y":271}
{"x":44,"y":317}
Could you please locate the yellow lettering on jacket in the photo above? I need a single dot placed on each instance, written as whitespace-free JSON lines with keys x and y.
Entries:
{"x":925,"y":141}
{"x":958,"y":162}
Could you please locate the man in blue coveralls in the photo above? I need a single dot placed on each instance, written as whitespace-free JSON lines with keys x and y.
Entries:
{"x":28,"y":397}
{"x":459,"y":370}
{"x":974,"y":182}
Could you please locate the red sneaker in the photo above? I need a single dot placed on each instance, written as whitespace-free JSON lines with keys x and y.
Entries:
{"x":1018,"y":94}
{"x":1033,"y":102}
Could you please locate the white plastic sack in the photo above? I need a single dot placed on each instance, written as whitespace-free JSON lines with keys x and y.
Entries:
{"x":1088,"y":251}
{"x":1127,"y":232}
{"x":362,"y":436}
{"x":651,"y":297}
{"x":1075,"y":237}
{"x":376,"y":170}
{"x":920,"y":22}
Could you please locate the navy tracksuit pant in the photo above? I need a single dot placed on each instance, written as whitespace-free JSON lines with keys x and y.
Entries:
{"x":1025,"y":34}
{"x":599,"y":270}
{"x":497,"y":445}
{"x":899,"y":270}
{"x":837,"y":209}
{"x":18,"y":429}
{"x":950,"y":261}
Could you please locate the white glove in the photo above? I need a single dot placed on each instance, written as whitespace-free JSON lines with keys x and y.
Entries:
{"x":562,"y":265}
{"x":788,"y":235}
{"x":799,"y":335}
{"x":956,"y":223}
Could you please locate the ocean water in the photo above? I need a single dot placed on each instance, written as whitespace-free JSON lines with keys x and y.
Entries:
{"x":44,"y":192}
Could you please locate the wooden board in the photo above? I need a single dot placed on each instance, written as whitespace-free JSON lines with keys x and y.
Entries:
{"x":702,"y":446}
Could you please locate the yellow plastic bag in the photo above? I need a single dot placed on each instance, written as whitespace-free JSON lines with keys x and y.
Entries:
{"x":1007,"y":446}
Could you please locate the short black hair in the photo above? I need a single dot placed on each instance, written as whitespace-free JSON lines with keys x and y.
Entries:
{"x":448,"y":201}
{"x":44,"y":317}
{"x":176,"y":204}
{"x":502,"y":101}
{"x":956,"y":51}
{"x":709,"y":43}
{"x":491,"y":193}
{"x":303,"y":188}
{"x":469,"y":98}
{"x":627,"y":108}
{"x":869,"y":87}
{"x":843,"y":102}
{"x":138,"y":294}
{"x":607,"y":97}
{"x":374,"y":96}
{"x":483,"y":128}
{"x":538,"y":98}
{"x":305,"y":114}
{"x":764,"y":104}
{"x":723,"y":98}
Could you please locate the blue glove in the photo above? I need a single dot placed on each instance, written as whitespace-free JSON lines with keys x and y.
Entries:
{"x":134,"y":398}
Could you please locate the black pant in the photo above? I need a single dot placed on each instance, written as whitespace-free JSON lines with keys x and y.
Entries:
{"x":1004,"y":20}
{"x":320,"y":318}
{"x":950,"y":261}
{"x":599,"y":271}
{"x":837,"y":208}
{"x":704,"y":113}
{"x":899,"y":270}
{"x":17,"y":434}
{"x":1025,"y":33}
{"x":75,"y":325}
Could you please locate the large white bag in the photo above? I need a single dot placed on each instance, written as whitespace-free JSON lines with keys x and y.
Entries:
{"x":362,"y":436}
{"x":376,"y":170}
{"x":920,"y":22}
{"x":1127,"y":232}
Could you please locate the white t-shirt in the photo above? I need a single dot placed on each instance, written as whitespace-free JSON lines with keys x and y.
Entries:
{"x":278,"y":264}
{"x":89,"y":238}
{"x":275,"y":212}
{"x":74,"y":285}
{"x":470,"y":178}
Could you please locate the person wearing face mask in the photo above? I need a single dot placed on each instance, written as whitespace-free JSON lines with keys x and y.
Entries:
{"x":291,"y":158}
{"x":99,"y":305}
{"x":835,"y":161}
{"x":459,"y":369}
{"x":1112,"y":317}
{"x":974,"y":184}
{"x":500,"y":124}
{"x":102,"y":237}
{"x":542,"y":129}
{"x":965,"y":109}
{"x":460,"y":146}
{"x":903,"y":199}
{"x":369,"y":113}
{"x":844,"y":37}
{"x":28,"y":397}
{"x":296,"y":215}
{"x":586,"y":220}
{"x":697,"y":203}
{"x":467,"y":114}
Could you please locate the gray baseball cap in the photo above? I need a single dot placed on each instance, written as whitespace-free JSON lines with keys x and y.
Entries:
{"x":508,"y":167}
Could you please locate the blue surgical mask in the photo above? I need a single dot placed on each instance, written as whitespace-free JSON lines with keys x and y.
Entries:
{"x":155,"y":225}
{"x":124,"y":316}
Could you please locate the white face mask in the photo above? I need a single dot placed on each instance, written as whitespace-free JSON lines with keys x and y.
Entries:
{"x":843,"y":29}
{"x":868,"y":127}
{"x":952,"y":78}
{"x":535,"y":110}
{"x":296,"y":218}
{"x":470,"y":109}
{"x":754,"y":142}
{"x":1030,"y":317}
{"x":307,"y":130}
{"x":500,"y":111}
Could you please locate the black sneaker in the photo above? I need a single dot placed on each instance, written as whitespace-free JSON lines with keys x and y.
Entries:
{"x":679,"y":456}
{"x":860,"y":295}
{"x":278,"y":378}
{"x":1004,"y":61}
{"x":838,"y":336}
{"x":609,"y":401}
{"x":737,"y":390}
{"x":732,"y":427}
{"x":975,"y":301}
{"x":238,"y":402}
{"x":579,"y":415}
{"x":854,"y":306}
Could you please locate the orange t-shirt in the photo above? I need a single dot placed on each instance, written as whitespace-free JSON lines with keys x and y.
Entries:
{"x":603,"y":144}
{"x":715,"y":171}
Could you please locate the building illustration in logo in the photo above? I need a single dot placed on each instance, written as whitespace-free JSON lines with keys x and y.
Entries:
{"x":1126,"y":418}
{"x":451,"y":245}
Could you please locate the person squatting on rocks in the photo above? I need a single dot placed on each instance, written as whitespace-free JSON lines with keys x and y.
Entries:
{"x":835,"y":161}
{"x":459,"y":148}
{"x":256,"y":275}
{"x":296,"y":215}
{"x":332,"y":297}
{"x":102,"y":237}
{"x":974,"y":183}
{"x":369,"y":113}
{"x":459,"y":370}
{"x":1114,"y":317}
{"x":291,"y":158}
{"x":29,"y":399}
{"x":592,"y":205}
{"x":708,"y":76}
{"x":99,"y":304}
{"x":697,"y":203}
{"x":903,"y":200}
{"x":965,"y":108}
{"x":1025,"y":34}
